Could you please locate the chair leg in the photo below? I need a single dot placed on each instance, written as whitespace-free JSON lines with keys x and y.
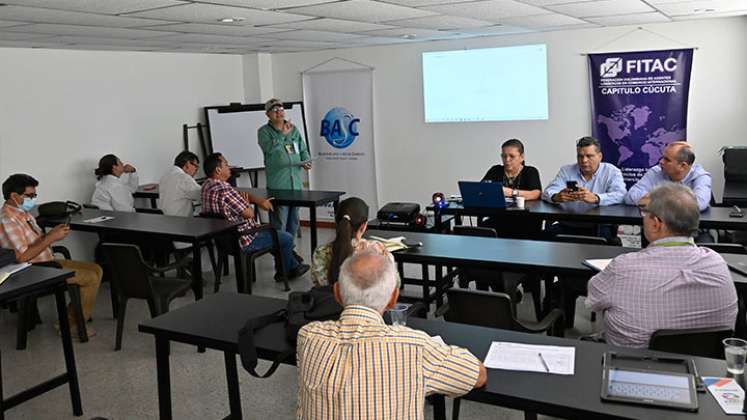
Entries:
{"x":153,"y":308}
{"x":74,"y":291}
{"x":120,"y":323}
{"x":455,"y":409}
{"x":114,"y":297}
{"x":282,"y":269}
{"x":217,"y":271}
{"x":22,"y":328}
{"x":534,"y":286}
{"x":211,"y":253}
{"x":225,"y":264}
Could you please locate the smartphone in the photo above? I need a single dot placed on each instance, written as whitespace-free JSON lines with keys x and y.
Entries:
{"x":736,"y":212}
{"x":412,"y":244}
{"x":572,"y":185}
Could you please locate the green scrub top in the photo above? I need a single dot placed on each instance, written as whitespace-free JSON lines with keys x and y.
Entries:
{"x":282,"y":155}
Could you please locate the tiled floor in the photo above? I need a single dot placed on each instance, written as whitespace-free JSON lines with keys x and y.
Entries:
{"x":122,"y":385}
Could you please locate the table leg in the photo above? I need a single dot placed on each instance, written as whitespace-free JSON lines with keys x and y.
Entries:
{"x":164,"y":378}
{"x":153,"y":203}
{"x":67,"y":347}
{"x":312,"y":226}
{"x":426,"y":288}
{"x":439,"y":286}
{"x":2,"y":407}
{"x":232,"y":379}
{"x":439,"y":407}
{"x":196,"y":270}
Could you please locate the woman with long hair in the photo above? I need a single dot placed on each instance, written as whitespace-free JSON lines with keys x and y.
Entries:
{"x":116,"y":184}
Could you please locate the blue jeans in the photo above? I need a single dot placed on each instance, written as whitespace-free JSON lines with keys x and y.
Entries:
{"x":263,"y":240}
{"x":285,"y":219}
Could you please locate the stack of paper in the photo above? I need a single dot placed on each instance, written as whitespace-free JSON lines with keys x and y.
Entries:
{"x":391,"y":244}
{"x":9,"y":269}
{"x":531,"y":358}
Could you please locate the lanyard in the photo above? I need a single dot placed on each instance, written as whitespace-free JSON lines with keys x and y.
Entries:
{"x":675,"y":243}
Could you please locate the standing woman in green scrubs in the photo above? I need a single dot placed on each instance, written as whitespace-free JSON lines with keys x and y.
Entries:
{"x":284,"y":149}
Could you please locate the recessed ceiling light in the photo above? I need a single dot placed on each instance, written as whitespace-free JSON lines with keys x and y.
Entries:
{"x":704,"y":10}
{"x":232,"y":19}
{"x":409,"y":36}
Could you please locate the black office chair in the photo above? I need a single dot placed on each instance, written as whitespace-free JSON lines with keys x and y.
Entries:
{"x":701,"y":342}
{"x":227,"y":244}
{"x":135,"y":279}
{"x":573,"y":287}
{"x":28,"y":312}
{"x":493,"y":310}
{"x":498,"y":281}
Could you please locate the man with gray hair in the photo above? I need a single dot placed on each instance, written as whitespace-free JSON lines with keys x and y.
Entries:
{"x":677,"y":164}
{"x":359,"y":367}
{"x":671,"y":284}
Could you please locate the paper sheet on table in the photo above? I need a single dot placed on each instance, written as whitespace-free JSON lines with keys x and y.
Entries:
{"x":598,"y":264}
{"x":727,"y":392}
{"x":438,"y":339}
{"x":391,"y":244}
{"x":526,"y":357}
{"x":99,"y":219}
{"x":9,"y":269}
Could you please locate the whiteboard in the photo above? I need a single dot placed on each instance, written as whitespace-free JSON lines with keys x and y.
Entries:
{"x":233,"y":131}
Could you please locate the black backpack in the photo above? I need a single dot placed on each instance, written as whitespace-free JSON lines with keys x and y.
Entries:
{"x":318,"y":304}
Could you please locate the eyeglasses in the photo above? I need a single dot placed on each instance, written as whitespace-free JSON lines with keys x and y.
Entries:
{"x":32,"y":195}
{"x":277,"y":109}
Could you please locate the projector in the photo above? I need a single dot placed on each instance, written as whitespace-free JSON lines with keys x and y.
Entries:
{"x":398,"y":213}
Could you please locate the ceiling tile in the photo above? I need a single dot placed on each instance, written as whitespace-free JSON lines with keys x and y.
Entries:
{"x":381,"y":40}
{"x":37,"y":15}
{"x":29,"y":44}
{"x":363,"y":10}
{"x":602,"y":8}
{"x":89,"y":40}
{"x":111,"y":7}
{"x":542,"y":21}
{"x":265,"y":4}
{"x":418,"y":3}
{"x":210,"y":29}
{"x":495,"y":30}
{"x":210,"y":13}
{"x":543,"y":3}
{"x":52,"y":29}
{"x":417,"y":33}
{"x":8,"y":24}
{"x":210,"y":39}
{"x":703,"y":7}
{"x":441,"y":22}
{"x":305,"y":35}
{"x":298,"y":44}
{"x":491,"y":10}
{"x":636,"y":19}
{"x":333,"y":25}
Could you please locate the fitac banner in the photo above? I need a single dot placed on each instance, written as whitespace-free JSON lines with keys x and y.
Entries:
{"x":639,"y":106}
{"x":339,"y":106}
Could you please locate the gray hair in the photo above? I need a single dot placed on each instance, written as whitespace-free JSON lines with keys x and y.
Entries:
{"x":676,"y":206}
{"x":588,"y":141}
{"x":685,"y":152}
{"x":368,"y":278}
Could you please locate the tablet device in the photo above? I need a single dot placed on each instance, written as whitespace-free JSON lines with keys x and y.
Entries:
{"x":661,"y":388}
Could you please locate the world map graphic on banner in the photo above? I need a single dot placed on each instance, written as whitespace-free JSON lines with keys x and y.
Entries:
{"x":639,"y":106}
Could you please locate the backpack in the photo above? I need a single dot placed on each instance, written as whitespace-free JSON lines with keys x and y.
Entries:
{"x":318,"y":304}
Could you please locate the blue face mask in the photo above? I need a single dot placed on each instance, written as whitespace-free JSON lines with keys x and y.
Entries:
{"x":28,"y":204}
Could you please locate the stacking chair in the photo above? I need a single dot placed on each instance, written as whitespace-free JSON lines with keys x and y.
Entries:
{"x":227,"y":244}
{"x":573,"y":287}
{"x":493,"y":310}
{"x":701,"y":342}
{"x":484,"y":277}
{"x":136,"y":279}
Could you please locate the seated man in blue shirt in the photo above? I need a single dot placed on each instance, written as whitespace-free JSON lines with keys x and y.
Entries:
{"x":596,"y":184}
{"x":677,"y":164}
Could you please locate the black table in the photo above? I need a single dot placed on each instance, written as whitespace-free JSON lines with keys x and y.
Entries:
{"x":195,"y":230}
{"x":713,"y":218}
{"x":215,"y":321}
{"x":34,"y":281}
{"x":298,"y":198}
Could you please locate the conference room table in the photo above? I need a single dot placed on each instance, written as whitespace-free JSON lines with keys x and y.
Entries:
{"x":310,"y":199}
{"x":619,"y":214}
{"x":194,"y":230}
{"x":34,"y":281}
{"x":214,"y":323}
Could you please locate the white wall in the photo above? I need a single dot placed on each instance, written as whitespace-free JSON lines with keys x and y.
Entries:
{"x":61,"y":110}
{"x":416,"y":159}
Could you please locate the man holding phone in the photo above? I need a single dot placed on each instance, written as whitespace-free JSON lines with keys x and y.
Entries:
{"x":284,"y":149}
{"x":586,"y":184}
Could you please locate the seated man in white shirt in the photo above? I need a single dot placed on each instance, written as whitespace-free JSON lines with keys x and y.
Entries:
{"x":178,"y":189}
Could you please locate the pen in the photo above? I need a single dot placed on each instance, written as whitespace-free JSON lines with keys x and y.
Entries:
{"x":544,"y":364}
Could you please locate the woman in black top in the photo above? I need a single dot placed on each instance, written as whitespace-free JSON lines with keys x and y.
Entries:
{"x":517,"y":179}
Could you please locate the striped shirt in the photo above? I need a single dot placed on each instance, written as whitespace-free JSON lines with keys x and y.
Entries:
{"x":663,"y":287}
{"x":219,"y":197}
{"x":360,"y":368}
{"x":18,"y":230}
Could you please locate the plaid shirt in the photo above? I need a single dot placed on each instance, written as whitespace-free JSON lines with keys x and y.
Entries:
{"x":360,"y":368}
{"x":219,"y":197}
{"x":663,"y":287}
{"x":18,"y":230}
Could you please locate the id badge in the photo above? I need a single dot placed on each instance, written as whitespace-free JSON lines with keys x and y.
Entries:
{"x":290,"y":148}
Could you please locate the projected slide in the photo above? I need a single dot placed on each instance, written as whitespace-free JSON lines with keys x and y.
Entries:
{"x":491,"y":84}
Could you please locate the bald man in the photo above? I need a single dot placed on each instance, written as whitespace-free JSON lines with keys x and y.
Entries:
{"x":677,"y":164}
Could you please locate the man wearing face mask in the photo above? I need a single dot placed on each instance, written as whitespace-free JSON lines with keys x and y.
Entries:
{"x":20,"y":232}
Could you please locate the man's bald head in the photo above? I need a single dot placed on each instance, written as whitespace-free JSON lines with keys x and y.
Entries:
{"x":367,"y":278}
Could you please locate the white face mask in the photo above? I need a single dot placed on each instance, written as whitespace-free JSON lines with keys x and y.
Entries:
{"x":27,"y":204}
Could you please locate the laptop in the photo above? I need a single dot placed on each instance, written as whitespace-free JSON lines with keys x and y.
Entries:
{"x":482,"y":194}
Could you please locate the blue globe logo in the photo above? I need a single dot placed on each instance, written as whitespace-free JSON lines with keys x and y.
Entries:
{"x":339,"y":127}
